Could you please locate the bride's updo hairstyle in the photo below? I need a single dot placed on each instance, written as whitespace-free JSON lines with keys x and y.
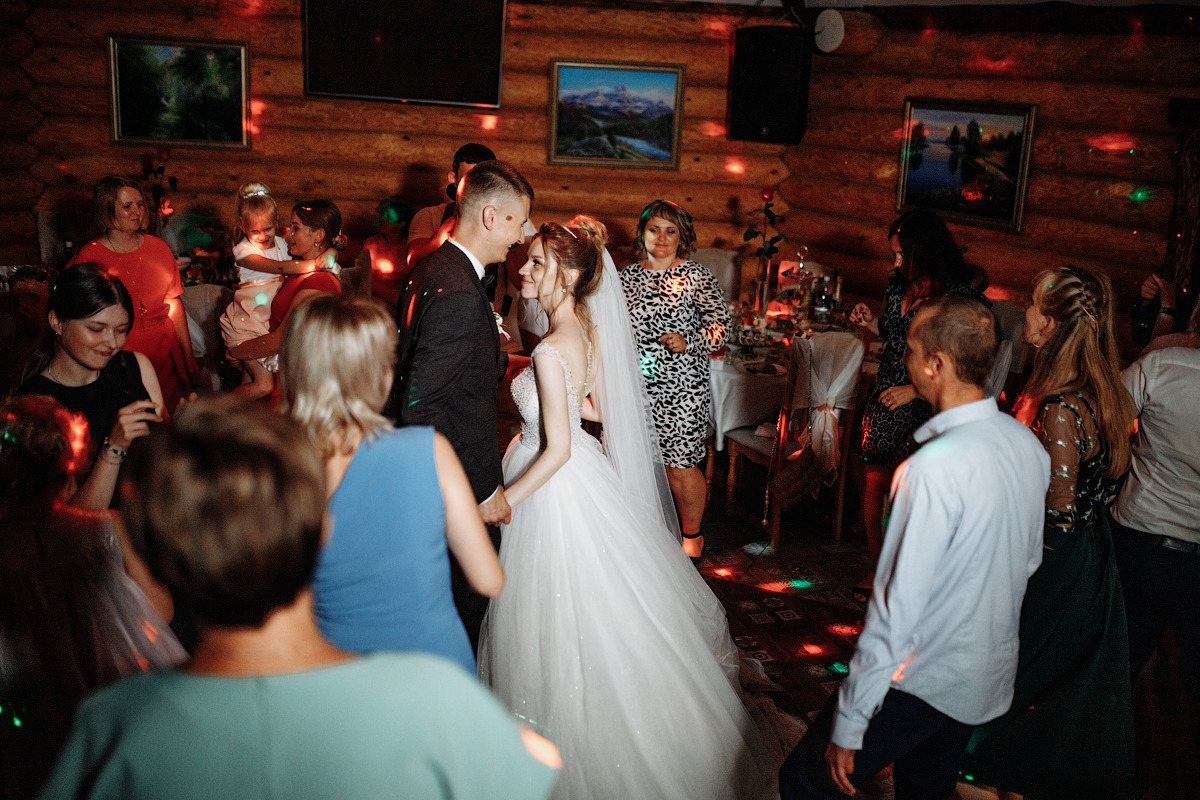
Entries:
{"x":578,"y":246}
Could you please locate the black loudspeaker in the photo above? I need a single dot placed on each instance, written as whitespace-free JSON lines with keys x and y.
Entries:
{"x":768,"y":84}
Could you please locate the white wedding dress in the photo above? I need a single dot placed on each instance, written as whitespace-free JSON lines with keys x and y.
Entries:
{"x":607,"y":641}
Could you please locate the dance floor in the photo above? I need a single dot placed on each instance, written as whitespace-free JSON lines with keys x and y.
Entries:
{"x":793,"y":610}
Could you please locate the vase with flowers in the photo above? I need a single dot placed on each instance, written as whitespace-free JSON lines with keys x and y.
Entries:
{"x":767,"y":248}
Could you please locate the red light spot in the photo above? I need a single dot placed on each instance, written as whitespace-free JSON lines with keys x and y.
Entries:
{"x":378,"y":39}
{"x":971,"y":195}
{"x":724,"y":572}
{"x":735,"y":166}
{"x":814,"y":649}
{"x":385,"y":266}
{"x":1111,"y":142}
{"x":712,"y":129}
{"x":488,"y":122}
{"x":775,"y":586}
{"x":845,"y":630}
{"x":717,"y":26}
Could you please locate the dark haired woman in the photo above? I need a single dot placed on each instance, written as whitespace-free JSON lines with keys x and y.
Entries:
{"x":605,"y":636}
{"x":679,"y":317}
{"x":315,"y":226}
{"x":71,"y":620}
{"x":928,"y":264}
{"x":1069,"y":733}
{"x":146,"y":265}
{"x":81,"y":364}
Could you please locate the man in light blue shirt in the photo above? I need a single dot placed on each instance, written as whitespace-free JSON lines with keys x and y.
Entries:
{"x":938,"y":652}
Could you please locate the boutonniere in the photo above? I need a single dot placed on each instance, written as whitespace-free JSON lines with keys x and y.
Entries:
{"x":500,"y":325}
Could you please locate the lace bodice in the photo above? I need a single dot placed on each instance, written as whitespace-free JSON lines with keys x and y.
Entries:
{"x":525,"y":395}
{"x":1079,"y":489}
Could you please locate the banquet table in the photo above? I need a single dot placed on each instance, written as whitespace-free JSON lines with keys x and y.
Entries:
{"x":741,"y":398}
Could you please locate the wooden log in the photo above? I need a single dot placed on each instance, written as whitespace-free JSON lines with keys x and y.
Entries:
{"x":863,"y":33}
{"x":193,"y":8}
{"x":1057,"y":148}
{"x":1104,"y":106}
{"x":91,"y":26}
{"x":17,"y":155}
{"x":50,"y":64}
{"x":18,"y":117}
{"x":1061,"y":235}
{"x":1160,"y":60}
{"x":1101,"y":199}
{"x":532,"y":51}
{"x":17,"y":226}
{"x":21,"y":190}
{"x":14,"y":82}
{"x":15,"y":43}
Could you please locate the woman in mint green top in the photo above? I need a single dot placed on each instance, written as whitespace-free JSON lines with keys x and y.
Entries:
{"x":226,"y":507}
{"x":399,"y":499}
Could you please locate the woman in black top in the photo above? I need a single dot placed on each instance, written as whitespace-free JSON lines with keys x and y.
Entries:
{"x":928,"y":264}
{"x":81,"y":364}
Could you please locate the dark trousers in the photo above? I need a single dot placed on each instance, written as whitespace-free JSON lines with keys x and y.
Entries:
{"x":924,"y":745}
{"x":471,"y":605}
{"x":1162,"y":588}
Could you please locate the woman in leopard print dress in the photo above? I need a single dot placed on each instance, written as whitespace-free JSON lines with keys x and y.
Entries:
{"x":679,"y":316}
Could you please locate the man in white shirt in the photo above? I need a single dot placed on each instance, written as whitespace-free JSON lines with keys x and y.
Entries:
{"x":1156,"y":526}
{"x":938,"y":652}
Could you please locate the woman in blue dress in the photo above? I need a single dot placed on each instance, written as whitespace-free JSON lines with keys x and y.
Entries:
{"x":399,"y":499}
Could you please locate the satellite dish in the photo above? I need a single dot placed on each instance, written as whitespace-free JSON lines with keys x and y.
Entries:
{"x":830,"y":29}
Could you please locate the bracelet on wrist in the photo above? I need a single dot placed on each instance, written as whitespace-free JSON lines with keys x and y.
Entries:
{"x":108,"y":448}
{"x":1167,"y":311}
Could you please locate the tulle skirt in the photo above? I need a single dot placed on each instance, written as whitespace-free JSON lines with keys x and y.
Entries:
{"x":606,"y":641}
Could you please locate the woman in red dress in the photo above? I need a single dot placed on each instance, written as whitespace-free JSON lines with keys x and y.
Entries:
{"x":315,"y":226}
{"x":146,"y":265}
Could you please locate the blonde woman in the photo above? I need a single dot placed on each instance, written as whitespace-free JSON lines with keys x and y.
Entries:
{"x":399,"y":499}
{"x":1069,"y":732}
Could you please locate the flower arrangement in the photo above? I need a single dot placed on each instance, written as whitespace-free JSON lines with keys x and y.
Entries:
{"x":768,"y":247}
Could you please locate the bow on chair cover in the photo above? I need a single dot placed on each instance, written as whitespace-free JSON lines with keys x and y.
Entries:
{"x":826,"y":380}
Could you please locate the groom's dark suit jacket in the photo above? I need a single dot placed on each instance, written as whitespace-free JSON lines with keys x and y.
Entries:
{"x":449,"y":363}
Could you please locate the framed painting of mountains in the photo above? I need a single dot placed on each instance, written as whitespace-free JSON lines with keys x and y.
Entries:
{"x":969,"y":161}
{"x":615,"y":114}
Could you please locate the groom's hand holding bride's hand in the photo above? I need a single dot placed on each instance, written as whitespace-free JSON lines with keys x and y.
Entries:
{"x":496,"y":510}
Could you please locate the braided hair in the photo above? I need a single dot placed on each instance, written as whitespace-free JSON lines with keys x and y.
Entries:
{"x":1081,"y":355}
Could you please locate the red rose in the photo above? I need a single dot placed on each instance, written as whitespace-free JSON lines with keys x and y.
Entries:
{"x":768,"y":193}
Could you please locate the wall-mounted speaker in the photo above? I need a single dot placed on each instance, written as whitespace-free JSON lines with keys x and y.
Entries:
{"x":768,"y":84}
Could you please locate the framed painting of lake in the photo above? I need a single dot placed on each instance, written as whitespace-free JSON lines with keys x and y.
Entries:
{"x":969,"y":161}
{"x":616,"y":115}
{"x":179,"y":92}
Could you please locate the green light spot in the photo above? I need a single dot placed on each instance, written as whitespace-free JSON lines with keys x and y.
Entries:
{"x":839,"y":667}
{"x":16,"y":722}
{"x":1131,"y":151}
{"x":261,"y":299}
{"x":800,"y":583}
{"x":1090,"y":149}
{"x":969,"y":777}
{"x":1141,"y":194}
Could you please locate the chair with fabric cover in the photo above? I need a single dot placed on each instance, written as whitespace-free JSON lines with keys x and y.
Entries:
{"x":724,"y":266}
{"x":823,"y":375}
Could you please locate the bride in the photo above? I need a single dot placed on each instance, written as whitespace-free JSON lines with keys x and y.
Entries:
{"x":605,"y":639}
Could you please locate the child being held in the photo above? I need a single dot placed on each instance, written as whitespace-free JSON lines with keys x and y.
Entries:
{"x":262,"y":259}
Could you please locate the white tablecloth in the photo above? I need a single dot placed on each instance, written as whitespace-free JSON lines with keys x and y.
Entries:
{"x":741,"y":399}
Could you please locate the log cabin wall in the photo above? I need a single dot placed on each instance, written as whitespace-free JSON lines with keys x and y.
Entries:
{"x":1101,"y":184}
{"x":358,"y":152}
{"x":1091,"y":200}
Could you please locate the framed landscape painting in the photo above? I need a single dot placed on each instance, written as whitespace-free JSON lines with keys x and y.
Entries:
{"x":178,"y":92}
{"x":615,"y":114}
{"x":969,"y":161}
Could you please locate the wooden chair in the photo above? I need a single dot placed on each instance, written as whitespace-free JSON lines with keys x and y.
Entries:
{"x":820,"y":395}
{"x":767,"y":451}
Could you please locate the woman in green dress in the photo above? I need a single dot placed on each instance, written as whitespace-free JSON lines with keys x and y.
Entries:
{"x":1069,"y":732}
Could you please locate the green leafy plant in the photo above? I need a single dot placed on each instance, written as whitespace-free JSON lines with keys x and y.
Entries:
{"x":770,"y":244}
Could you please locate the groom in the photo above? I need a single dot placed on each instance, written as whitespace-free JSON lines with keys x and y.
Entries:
{"x":448,"y":361}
